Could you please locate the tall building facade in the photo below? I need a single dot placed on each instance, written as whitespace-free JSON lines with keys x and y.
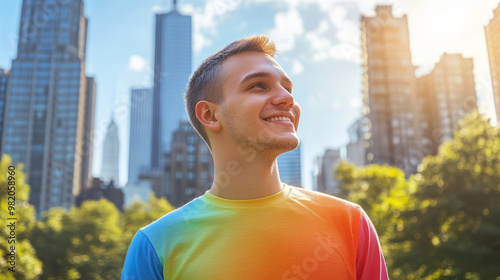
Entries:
{"x":141,"y":129}
{"x":4,"y":76}
{"x":289,"y":165}
{"x":111,"y":155}
{"x":88,"y":137}
{"x":47,"y":99}
{"x":189,"y":166}
{"x":389,"y":92}
{"x":492,"y":32}
{"x":448,"y":93}
{"x":325,"y":179}
{"x":355,"y":149}
{"x":171,"y":75}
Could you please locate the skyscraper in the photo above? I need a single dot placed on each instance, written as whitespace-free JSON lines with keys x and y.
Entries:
{"x":447,"y":93}
{"x":492,"y":32}
{"x":189,"y":166}
{"x":393,"y":128}
{"x":355,"y":150}
{"x":141,"y":129}
{"x":326,"y":182}
{"x":88,"y":140}
{"x":289,"y":167}
{"x":4,"y":75}
{"x":47,"y":99}
{"x":111,"y":155}
{"x":171,"y":76}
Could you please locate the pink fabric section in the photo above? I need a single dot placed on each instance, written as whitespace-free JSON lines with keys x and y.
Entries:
{"x":370,"y":263}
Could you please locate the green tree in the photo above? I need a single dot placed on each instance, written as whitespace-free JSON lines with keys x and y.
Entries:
{"x":381,"y":191}
{"x":27,"y":265}
{"x":139,"y":214}
{"x":84,"y":243}
{"x":453,"y":231}
{"x":91,"y":242}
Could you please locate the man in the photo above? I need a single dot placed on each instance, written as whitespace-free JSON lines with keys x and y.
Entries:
{"x":249,"y":225}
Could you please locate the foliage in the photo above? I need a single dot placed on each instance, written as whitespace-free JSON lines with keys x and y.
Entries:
{"x":91,"y":242}
{"x":139,"y":214}
{"x":454,"y":230}
{"x":443,"y":223}
{"x":28,"y":266}
{"x":84,"y":243}
{"x":381,"y":191}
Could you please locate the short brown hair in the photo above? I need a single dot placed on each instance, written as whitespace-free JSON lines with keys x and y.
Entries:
{"x":206,"y":82}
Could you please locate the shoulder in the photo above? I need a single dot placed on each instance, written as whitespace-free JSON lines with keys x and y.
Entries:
{"x":335,"y":207}
{"x":170,"y":223}
{"x":142,"y":261}
{"x":323,"y":199}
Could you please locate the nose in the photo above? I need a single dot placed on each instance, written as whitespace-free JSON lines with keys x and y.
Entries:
{"x":283,"y":97}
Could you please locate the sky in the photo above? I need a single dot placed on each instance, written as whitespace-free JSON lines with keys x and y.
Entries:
{"x":318,"y":45}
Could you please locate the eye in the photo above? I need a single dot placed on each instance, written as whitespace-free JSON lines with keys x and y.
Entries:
{"x":257,"y":85}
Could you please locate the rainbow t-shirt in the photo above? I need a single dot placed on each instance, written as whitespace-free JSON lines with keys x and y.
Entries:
{"x":292,"y":235}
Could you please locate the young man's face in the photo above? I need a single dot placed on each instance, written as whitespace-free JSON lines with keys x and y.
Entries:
{"x":255,"y":90}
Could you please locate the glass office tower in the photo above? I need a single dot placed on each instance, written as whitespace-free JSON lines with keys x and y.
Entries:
{"x":171,"y":76}
{"x":48,"y":127}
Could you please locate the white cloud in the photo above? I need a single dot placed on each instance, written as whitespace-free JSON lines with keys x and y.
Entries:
{"x":347,"y":33}
{"x":157,"y":9}
{"x":186,"y":9}
{"x":206,"y":19}
{"x":347,"y":29}
{"x":345,"y":51}
{"x":355,"y":102}
{"x":200,"y":42}
{"x":336,"y":104}
{"x":287,"y":27}
{"x":136,"y":63}
{"x":297,"y":67}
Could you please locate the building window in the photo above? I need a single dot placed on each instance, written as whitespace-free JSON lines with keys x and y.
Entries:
{"x":192,"y":139}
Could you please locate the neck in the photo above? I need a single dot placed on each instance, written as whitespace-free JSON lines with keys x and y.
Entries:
{"x":245,"y":177}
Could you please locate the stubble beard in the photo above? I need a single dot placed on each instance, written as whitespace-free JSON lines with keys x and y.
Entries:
{"x":266,"y":145}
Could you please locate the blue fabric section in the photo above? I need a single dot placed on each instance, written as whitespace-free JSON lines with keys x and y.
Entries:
{"x":142,"y":262}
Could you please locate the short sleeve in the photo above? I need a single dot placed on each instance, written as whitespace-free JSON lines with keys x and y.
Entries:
{"x":370,"y":263}
{"x":142,"y":262}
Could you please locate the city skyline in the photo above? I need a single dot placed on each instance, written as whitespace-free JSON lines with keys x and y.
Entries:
{"x":338,"y":94}
{"x":49,"y":110}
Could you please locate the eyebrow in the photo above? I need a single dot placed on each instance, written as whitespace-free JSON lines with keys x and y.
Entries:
{"x":263,"y":75}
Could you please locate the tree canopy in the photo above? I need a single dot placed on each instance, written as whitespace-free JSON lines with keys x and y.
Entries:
{"x":19,"y":211}
{"x":443,"y":222}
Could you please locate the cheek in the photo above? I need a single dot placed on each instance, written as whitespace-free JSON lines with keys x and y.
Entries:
{"x":296,"y":111}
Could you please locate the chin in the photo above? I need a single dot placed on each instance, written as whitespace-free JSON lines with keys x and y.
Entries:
{"x":286,"y":145}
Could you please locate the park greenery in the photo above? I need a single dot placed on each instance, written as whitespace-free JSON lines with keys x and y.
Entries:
{"x":441,"y":223}
{"x":89,"y":242}
{"x":444,"y":221}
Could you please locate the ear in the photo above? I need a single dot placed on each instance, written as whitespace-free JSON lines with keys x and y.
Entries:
{"x":205,"y":112}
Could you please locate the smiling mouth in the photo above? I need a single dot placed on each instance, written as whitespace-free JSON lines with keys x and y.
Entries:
{"x":273,"y":119}
{"x":280,"y":120}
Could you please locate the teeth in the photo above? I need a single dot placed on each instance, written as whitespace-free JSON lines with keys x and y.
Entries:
{"x":279,"y":119}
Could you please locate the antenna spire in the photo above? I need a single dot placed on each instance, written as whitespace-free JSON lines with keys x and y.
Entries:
{"x":175,"y":4}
